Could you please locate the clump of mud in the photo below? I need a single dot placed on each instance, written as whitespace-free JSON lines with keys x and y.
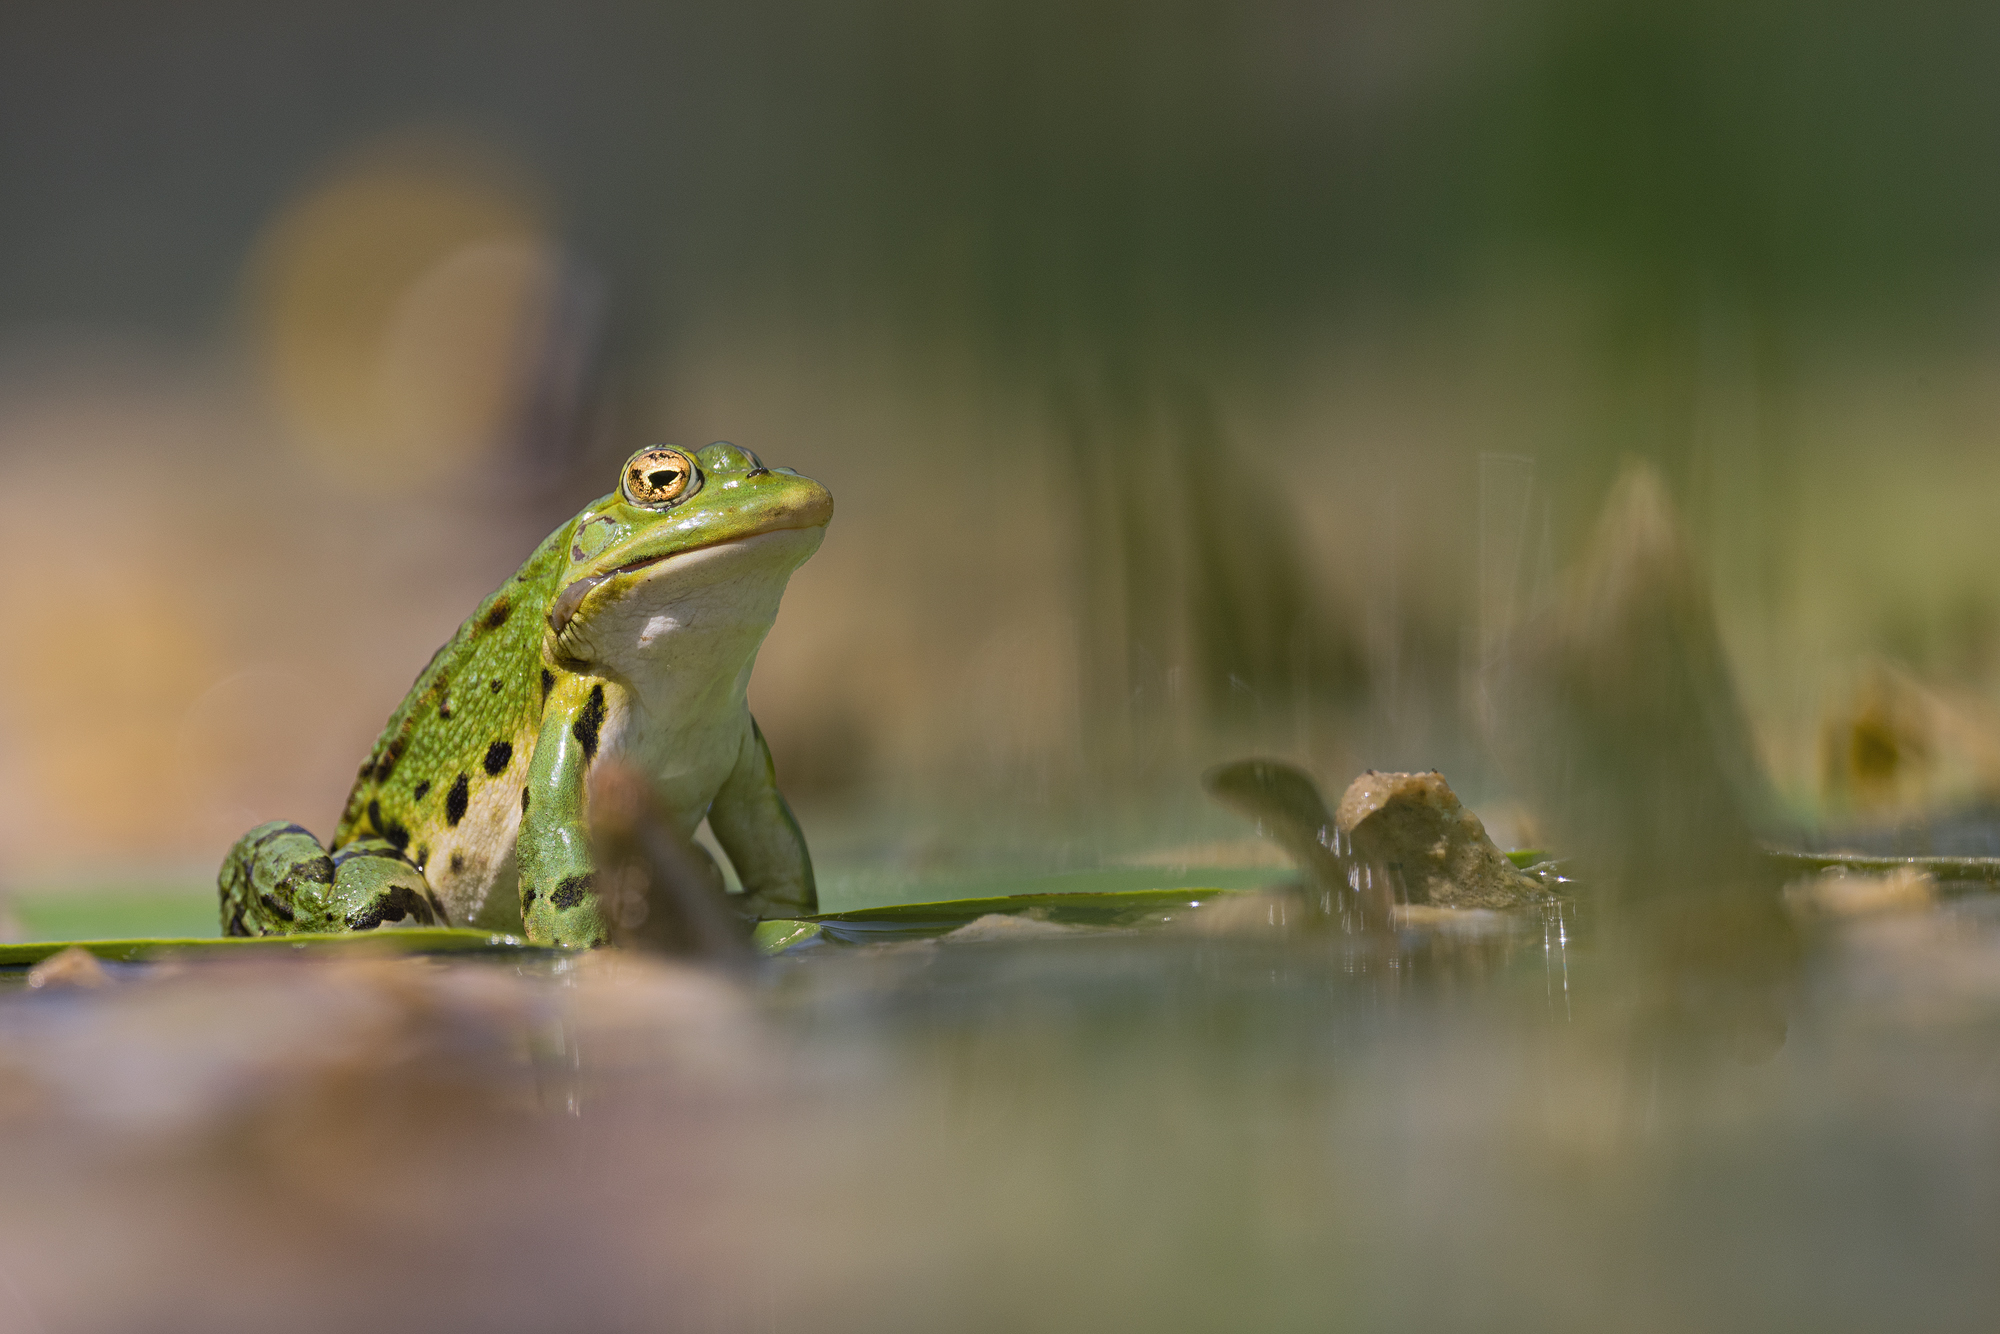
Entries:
{"x":1435,"y":849}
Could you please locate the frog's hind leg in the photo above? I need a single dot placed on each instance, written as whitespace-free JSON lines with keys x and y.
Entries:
{"x":276,"y":880}
{"x":279,"y":881}
{"x":374,"y":884}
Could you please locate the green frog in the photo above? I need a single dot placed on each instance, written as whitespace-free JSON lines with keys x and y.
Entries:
{"x":629,"y":633}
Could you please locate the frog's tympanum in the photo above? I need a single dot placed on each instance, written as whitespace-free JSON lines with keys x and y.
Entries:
{"x":630,"y":632}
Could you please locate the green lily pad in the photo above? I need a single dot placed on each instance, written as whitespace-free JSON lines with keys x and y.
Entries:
{"x":916,"y":921}
{"x":420,"y":940}
{"x":782,"y":933}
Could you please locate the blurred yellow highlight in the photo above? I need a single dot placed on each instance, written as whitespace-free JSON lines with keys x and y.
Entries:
{"x":396,"y":306}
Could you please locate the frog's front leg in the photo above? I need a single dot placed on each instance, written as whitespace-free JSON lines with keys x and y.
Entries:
{"x":558,"y":904}
{"x":762,"y":837}
{"x":279,"y":881}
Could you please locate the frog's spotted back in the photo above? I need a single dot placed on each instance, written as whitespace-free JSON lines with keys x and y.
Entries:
{"x":461,"y":736}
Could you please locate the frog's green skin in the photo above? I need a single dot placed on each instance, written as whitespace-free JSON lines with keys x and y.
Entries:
{"x":630,"y":632}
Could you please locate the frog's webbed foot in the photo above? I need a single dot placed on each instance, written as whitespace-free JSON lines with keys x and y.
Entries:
{"x":278,"y":880}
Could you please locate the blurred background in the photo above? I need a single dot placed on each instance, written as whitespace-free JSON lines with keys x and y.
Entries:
{"x":1193,"y":378}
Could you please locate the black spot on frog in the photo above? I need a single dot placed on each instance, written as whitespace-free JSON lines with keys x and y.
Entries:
{"x":387,"y":764}
{"x":590,"y":722}
{"x":456,"y":800}
{"x":393,"y":906}
{"x":570,"y":891}
{"x":497,"y":756}
{"x":280,"y":832}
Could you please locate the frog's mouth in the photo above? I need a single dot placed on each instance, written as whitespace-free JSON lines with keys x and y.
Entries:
{"x":570,"y":600}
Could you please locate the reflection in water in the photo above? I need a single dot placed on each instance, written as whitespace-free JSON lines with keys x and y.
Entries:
{"x":1108,"y":1130}
{"x":1555,"y":955}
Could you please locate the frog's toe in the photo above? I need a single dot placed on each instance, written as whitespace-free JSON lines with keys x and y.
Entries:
{"x":375,"y":885}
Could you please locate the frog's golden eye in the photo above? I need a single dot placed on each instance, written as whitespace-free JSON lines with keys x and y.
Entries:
{"x":659,"y":476}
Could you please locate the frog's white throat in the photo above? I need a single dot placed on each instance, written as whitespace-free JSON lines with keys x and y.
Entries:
{"x":683,"y":633}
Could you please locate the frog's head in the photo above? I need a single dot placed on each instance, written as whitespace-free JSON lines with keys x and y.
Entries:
{"x":700,"y":540}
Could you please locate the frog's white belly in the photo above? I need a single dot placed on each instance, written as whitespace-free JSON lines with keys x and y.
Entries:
{"x":677,"y":640}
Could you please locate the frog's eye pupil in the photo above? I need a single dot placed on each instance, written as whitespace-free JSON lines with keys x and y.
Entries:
{"x":664,"y":478}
